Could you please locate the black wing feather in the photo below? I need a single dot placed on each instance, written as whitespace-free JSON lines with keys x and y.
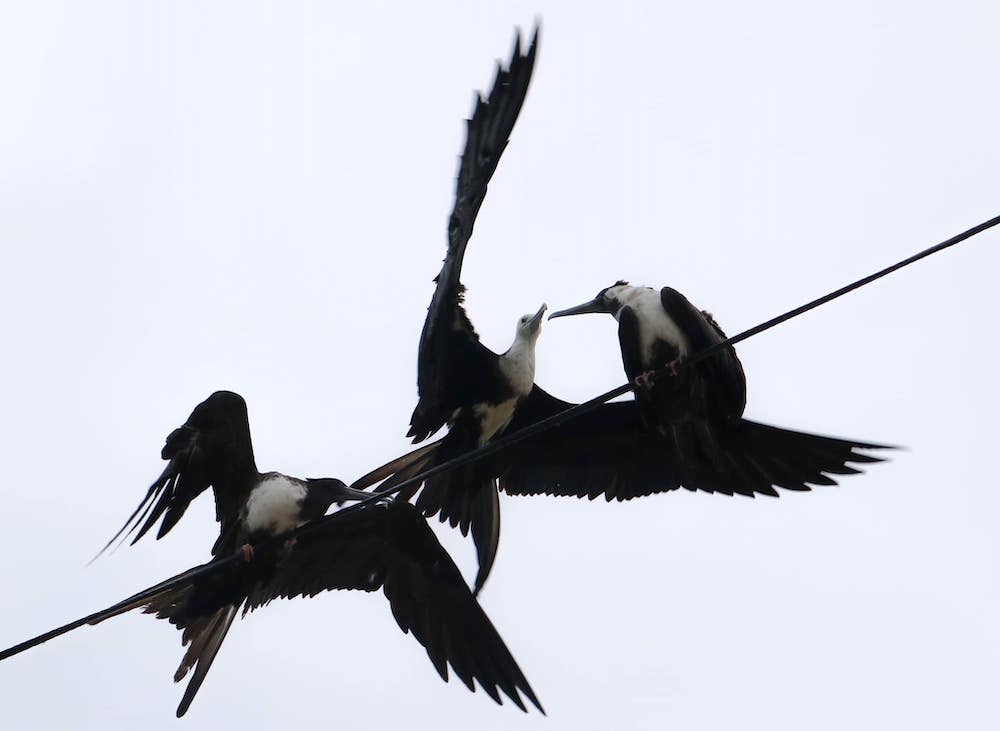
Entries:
{"x":610,"y":452}
{"x":390,"y":546}
{"x":449,"y":345}
{"x":211,"y":449}
{"x":723,"y":369}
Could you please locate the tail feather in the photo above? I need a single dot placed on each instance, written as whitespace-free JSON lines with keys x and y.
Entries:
{"x":422,"y":456}
{"x":405,"y":474}
{"x":472,"y":504}
{"x":201,"y":633}
{"x":486,"y":536}
{"x":201,"y":653}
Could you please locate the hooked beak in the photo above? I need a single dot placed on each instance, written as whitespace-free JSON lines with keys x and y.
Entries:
{"x":536,"y":320}
{"x":584,"y":309}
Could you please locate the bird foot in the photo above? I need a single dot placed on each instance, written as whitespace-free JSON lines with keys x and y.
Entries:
{"x":645,"y":380}
{"x":290,"y":542}
{"x":246,"y":551}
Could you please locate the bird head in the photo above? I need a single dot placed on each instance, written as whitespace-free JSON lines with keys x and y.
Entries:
{"x":529,"y":326}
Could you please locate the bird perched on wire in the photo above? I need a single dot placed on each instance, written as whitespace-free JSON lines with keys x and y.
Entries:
{"x":618,"y":450}
{"x":628,"y":449}
{"x":385,"y":544}
{"x":212,"y":449}
{"x":695,"y":414}
{"x":462,"y":383}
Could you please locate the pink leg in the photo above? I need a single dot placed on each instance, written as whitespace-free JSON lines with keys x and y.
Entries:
{"x":645,"y":380}
{"x":246,"y":550}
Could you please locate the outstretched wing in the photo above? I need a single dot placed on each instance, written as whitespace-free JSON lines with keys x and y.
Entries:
{"x":747,"y":458}
{"x":610,"y":452}
{"x":449,"y":345}
{"x":390,"y":546}
{"x":606,"y":452}
{"x":211,"y":449}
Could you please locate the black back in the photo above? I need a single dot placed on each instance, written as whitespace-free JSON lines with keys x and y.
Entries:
{"x":713,"y":389}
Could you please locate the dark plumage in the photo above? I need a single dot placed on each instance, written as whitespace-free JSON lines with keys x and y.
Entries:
{"x":460,"y":381}
{"x":385,"y":545}
{"x":684,"y":429}
{"x":213,"y":449}
{"x":612,"y":452}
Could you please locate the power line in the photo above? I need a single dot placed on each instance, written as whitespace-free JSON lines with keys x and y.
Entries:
{"x":498,"y":445}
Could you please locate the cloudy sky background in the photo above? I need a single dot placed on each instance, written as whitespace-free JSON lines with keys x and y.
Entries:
{"x":253,"y":196}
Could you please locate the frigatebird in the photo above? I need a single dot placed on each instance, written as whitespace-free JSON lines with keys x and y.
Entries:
{"x":626,"y":449}
{"x":386,"y":545}
{"x":460,"y":381}
{"x":659,"y":329}
{"x":693,"y":416}
{"x":611,"y":451}
{"x":213,"y":449}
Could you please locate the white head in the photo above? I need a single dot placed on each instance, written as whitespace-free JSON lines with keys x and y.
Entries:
{"x":530,"y":326}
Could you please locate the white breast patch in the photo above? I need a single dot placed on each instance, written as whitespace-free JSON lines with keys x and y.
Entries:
{"x":654,"y":323}
{"x":273,"y":506}
{"x":494,"y":417}
{"x":518,"y":366}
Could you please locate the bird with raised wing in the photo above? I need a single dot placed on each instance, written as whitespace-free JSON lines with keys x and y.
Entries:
{"x":461,"y":383}
{"x":385,"y":544}
{"x":684,"y":434}
{"x":212,"y":448}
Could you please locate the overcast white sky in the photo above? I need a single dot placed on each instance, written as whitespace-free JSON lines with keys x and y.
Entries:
{"x":253,"y":196}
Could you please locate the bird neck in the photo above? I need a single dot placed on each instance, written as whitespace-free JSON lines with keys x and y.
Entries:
{"x":633,"y":297}
{"x":518,"y":363}
{"x":243,"y":465}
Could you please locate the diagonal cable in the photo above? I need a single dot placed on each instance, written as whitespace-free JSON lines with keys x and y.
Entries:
{"x":504,"y":442}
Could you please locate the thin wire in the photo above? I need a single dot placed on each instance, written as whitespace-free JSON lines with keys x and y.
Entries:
{"x":551,"y":422}
{"x":844,"y":290}
{"x":505,"y":442}
{"x":143,"y":595}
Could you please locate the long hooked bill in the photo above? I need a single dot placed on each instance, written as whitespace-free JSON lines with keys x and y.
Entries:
{"x":537,"y":317}
{"x":584,"y":309}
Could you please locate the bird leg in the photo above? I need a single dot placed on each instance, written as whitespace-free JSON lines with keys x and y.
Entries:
{"x":645,"y":379}
{"x":246,"y":551}
{"x":290,"y":542}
